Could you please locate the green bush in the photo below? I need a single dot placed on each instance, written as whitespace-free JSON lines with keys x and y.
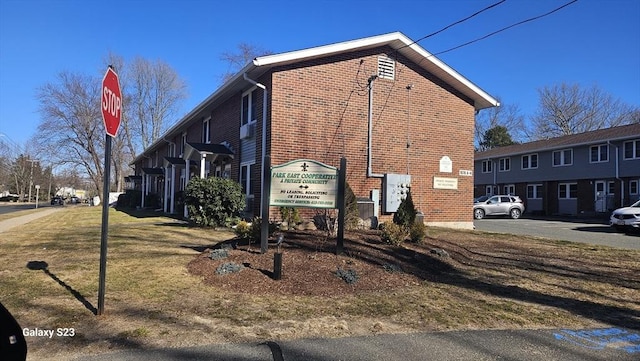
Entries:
{"x":243,"y":229}
{"x":417,"y":232}
{"x":251,"y":231}
{"x":394,"y":234}
{"x":291,"y":216}
{"x":214,"y":202}
{"x":351,"y":214}
{"x":406,"y":213}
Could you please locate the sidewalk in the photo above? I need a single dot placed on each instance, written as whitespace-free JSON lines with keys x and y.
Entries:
{"x":17,"y":221}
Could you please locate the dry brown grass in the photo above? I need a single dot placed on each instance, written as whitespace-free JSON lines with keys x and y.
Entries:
{"x":156,"y":298}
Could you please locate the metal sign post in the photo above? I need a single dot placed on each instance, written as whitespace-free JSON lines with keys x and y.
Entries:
{"x":111,"y":106}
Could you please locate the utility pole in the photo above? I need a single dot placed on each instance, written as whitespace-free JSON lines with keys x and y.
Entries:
{"x":31,"y":176}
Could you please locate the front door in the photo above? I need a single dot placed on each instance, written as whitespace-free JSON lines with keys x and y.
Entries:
{"x":600,"y":196}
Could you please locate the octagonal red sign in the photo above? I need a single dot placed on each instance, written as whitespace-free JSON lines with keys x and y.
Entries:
{"x":111,"y":102}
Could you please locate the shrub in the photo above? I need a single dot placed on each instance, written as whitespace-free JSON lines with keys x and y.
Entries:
{"x":214,"y":202}
{"x":394,"y":233}
{"x":220,"y":253}
{"x":406,"y":213}
{"x":291,"y":216}
{"x":417,"y":232}
{"x":351,"y":215}
{"x":350,"y":276}
{"x":243,"y":229}
{"x":229,"y":267}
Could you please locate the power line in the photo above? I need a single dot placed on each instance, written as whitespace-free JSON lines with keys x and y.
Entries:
{"x":456,"y":23}
{"x":506,"y":28}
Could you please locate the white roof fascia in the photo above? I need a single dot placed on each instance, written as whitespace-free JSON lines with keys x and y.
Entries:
{"x":385,"y":39}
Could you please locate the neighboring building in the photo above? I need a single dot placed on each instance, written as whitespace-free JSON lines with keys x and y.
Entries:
{"x":587,"y":173}
{"x":397,"y":114}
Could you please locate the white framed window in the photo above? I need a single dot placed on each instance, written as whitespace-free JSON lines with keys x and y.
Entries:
{"x":633,"y":187}
{"x":489,"y":190}
{"x":568,"y":190}
{"x":245,"y":178}
{"x":530,"y":161}
{"x":504,"y":164}
{"x":562,"y":157}
{"x":509,"y":189}
{"x":487,"y":166}
{"x":172,"y":150}
{"x":534,"y":191}
{"x":632,"y":149}
{"x":223,"y":171}
{"x":183,"y":179}
{"x":248,"y":109}
{"x":599,"y":153}
{"x":386,"y":68}
{"x":183,"y":143}
{"x":206,"y":131}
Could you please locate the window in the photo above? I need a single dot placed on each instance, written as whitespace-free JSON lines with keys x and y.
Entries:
{"x":172,"y":150}
{"x":562,"y":157}
{"x":183,"y":143}
{"x":509,"y":189}
{"x":534,"y":191}
{"x":249,"y":107}
{"x":245,"y":178}
{"x":530,"y":161}
{"x":487,"y":166}
{"x":504,"y":164}
{"x":223,"y":172}
{"x":611,"y":187}
{"x":489,"y":190}
{"x":632,"y":149}
{"x":568,"y":190}
{"x":206,"y":128}
{"x":599,"y":153}
{"x":386,"y":68}
{"x":633,"y":187}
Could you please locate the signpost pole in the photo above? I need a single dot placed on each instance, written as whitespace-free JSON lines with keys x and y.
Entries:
{"x":111,"y":106}
{"x":342,"y":183}
{"x":264,"y":222}
{"x":105,"y":223}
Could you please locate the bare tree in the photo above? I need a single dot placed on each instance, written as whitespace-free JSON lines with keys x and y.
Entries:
{"x":507,"y":116}
{"x":71,"y":129}
{"x":569,"y":109}
{"x":154,"y":91}
{"x":237,"y":60}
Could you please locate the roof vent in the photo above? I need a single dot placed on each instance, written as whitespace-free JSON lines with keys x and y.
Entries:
{"x":386,"y":67}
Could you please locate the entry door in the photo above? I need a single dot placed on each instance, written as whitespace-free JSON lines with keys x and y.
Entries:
{"x":601,"y":196}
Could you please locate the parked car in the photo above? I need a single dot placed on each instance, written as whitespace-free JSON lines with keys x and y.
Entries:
{"x":626,"y":218}
{"x":74,"y":200}
{"x":57,"y":201}
{"x":499,"y":205}
{"x":9,"y":198}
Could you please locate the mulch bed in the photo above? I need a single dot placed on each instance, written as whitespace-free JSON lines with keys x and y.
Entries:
{"x":311,"y":267}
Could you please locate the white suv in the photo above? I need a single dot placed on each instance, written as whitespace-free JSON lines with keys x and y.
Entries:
{"x":626,"y":218}
{"x":500,"y":205}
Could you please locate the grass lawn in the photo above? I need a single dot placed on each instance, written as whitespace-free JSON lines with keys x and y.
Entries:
{"x":152,"y":300}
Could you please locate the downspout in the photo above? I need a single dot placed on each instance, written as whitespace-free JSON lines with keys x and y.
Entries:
{"x":264,"y":135}
{"x":618,"y":174}
{"x":165,"y":206}
{"x":370,"y":173}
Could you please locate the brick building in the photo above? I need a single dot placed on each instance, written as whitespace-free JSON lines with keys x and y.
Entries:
{"x":400,"y":116}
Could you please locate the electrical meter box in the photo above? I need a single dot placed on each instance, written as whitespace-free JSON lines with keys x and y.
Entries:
{"x":396,"y":187}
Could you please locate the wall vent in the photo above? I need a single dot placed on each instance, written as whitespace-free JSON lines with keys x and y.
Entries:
{"x":386,"y":67}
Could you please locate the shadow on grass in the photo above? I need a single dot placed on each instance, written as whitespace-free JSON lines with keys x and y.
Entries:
{"x":43,"y":266}
{"x":462,"y":270}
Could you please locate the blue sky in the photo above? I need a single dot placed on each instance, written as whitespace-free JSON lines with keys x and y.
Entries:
{"x":591,"y":42}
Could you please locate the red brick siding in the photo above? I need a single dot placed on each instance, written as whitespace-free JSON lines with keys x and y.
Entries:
{"x":319,"y":111}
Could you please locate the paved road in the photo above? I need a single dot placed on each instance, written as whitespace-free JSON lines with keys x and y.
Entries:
{"x":591,"y":231}
{"x":522,"y":345}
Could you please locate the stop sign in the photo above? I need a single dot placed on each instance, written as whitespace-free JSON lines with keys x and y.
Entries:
{"x":111,"y":101}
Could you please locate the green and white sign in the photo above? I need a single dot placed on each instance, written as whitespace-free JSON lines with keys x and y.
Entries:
{"x":304,"y":183}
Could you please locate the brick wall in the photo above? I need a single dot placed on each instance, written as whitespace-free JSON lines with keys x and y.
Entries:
{"x":319,"y":110}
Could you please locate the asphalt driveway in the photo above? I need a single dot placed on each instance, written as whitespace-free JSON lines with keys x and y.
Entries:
{"x":586,"y":230}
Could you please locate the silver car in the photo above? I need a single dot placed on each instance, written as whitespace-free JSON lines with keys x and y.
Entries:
{"x":626,"y":218}
{"x":499,"y":205}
